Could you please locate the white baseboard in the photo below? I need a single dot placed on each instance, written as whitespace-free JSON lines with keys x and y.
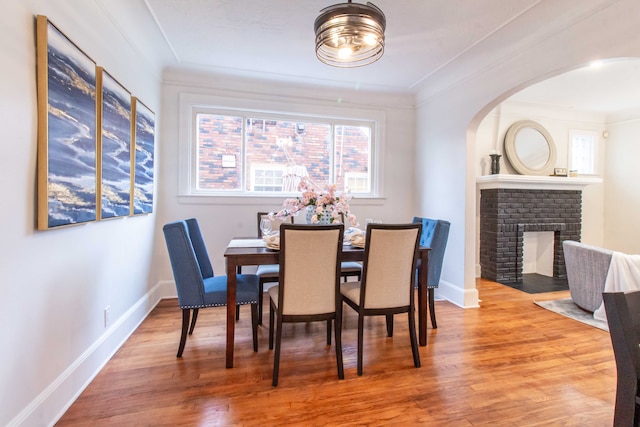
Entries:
{"x":49,"y":406}
{"x":465,"y":298}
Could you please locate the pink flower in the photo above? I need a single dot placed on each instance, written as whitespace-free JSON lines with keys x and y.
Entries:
{"x":321,"y":200}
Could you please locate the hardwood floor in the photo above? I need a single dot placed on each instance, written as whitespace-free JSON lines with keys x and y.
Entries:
{"x":507,"y":363}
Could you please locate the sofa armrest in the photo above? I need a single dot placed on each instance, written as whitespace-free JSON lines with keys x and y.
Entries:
{"x":587,"y":268}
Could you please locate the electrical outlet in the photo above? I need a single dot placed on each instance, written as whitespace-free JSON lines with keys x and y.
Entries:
{"x":107,"y":316}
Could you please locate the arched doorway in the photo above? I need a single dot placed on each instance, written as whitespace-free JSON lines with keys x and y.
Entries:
{"x":603,"y":101}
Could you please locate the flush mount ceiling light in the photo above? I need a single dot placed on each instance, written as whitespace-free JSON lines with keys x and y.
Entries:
{"x":350,"y":34}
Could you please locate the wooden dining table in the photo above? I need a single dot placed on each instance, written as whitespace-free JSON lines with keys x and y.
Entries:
{"x":250,"y":251}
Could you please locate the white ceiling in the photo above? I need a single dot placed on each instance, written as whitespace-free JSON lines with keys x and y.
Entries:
{"x":435,"y":42}
{"x":608,"y":88}
{"x":275,"y":38}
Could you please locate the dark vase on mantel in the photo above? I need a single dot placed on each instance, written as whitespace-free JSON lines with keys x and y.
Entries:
{"x":495,"y":163}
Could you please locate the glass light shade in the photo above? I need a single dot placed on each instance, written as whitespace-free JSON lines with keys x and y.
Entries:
{"x":350,"y":34}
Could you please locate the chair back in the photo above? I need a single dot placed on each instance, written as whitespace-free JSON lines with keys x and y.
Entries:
{"x":390,"y":258}
{"x":309,"y":268}
{"x":197,"y":241}
{"x":435,"y":233}
{"x":184,"y":263}
{"x":623,"y":316}
{"x":275,"y":223}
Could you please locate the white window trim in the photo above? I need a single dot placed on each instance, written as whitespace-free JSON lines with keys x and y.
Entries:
{"x":191,"y":103}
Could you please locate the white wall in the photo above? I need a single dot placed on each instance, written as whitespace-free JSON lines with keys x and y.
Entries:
{"x":622,"y":197}
{"x":450,"y":111}
{"x":223,"y":218}
{"x":54,"y":285}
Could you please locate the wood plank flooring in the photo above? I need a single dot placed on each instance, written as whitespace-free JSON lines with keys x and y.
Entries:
{"x":507,"y":363}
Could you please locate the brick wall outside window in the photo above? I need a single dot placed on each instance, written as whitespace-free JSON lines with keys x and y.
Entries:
{"x":308,"y":145}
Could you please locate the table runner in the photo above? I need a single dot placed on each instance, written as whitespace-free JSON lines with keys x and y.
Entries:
{"x":246,"y":243}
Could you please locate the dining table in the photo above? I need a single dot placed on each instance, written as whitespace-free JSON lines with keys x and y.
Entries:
{"x":252,"y":251}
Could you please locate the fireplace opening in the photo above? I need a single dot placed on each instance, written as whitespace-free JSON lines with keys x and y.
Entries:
{"x":537,"y":251}
{"x":537,"y":272}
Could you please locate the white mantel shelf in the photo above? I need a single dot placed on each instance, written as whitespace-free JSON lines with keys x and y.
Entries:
{"x":535,"y":182}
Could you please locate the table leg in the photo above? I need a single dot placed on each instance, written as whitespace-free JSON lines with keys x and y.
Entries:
{"x":231,"y":309}
{"x":422,"y":297}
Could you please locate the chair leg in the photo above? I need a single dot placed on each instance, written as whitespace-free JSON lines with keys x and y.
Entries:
{"x":338,"y":332}
{"x":271,"y":316}
{"x":260,"y":301}
{"x":185,"y":328}
{"x":625,"y":405}
{"x":432,"y":307}
{"x":360,"y":341}
{"x":193,"y":321}
{"x":237,"y":312}
{"x":389,"y":325}
{"x":276,"y":356}
{"x":329,"y":332}
{"x":254,"y":326}
{"x":414,"y":339}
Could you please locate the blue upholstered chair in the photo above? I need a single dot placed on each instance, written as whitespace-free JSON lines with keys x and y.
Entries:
{"x":435,"y":233}
{"x":196,"y":283}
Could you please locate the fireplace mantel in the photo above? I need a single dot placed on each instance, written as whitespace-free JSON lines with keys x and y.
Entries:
{"x":535,"y":182}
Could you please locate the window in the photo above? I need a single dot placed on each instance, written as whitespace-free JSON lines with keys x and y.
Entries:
{"x":583,"y":149}
{"x":357,"y":182}
{"x":266,"y":178}
{"x":235,"y":151}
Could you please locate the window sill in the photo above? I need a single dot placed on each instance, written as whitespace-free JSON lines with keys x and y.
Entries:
{"x":263,"y":200}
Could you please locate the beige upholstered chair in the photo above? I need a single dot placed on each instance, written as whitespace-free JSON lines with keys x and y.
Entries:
{"x":308,"y":288}
{"x":267,"y":273}
{"x":388,"y":278}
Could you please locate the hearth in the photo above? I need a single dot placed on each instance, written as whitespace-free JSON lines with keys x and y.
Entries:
{"x":533,"y":283}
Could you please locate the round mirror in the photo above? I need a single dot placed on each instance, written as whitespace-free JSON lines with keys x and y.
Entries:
{"x":530,"y":148}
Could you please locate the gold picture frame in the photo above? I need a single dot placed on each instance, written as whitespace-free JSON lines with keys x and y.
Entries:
{"x":142,"y":159}
{"x":67,"y":125}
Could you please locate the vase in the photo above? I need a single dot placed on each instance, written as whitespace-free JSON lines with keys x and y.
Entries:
{"x":324,"y":219}
{"x":495,"y":163}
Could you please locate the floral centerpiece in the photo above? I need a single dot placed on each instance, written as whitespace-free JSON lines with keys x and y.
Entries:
{"x":323,"y":205}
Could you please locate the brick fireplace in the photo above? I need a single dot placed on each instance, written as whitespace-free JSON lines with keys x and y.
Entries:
{"x":511,"y":205}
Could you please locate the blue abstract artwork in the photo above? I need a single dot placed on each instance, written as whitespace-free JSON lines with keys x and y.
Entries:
{"x":116,"y":149}
{"x":67,"y":187}
{"x":144,"y":146}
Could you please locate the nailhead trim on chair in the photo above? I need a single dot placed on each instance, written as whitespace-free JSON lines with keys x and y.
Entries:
{"x":214,"y":305}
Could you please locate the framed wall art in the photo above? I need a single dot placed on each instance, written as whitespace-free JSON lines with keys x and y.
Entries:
{"x":114,"y":147}
{"x":67,"y":175}
{"x":143,"y":130}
